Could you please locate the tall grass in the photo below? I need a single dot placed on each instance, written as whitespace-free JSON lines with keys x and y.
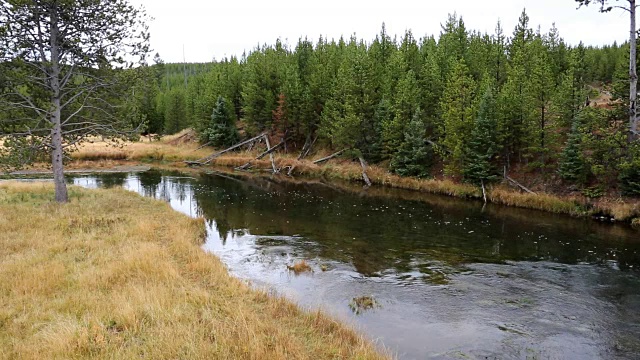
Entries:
{"x":114,"y":275}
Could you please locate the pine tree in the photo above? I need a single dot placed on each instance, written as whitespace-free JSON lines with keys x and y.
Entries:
{"x":572,"y":162}
{"x":222,"y":130}
{"x":479,"y":165}
{"x":414,"y":157}
{"x":175,"y":112}
{"x":540,"y":86}
{"x":457,"y":115}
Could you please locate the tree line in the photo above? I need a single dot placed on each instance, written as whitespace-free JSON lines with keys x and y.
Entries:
{"x":469,"y":103}
{"x":464,"y":104}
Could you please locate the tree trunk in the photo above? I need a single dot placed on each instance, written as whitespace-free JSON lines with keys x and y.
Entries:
{"x":56,"y":132}
{"x":56,"y":161}
{"x":633,"y":76}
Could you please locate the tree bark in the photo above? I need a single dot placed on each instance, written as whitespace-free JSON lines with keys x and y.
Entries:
{"x":633,"y":76}
{"x":57,"y":153}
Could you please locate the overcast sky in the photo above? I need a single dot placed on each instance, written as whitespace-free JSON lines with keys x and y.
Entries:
{"x":215,"y":29}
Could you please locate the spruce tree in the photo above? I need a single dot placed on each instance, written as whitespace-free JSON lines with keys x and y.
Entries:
{"x":457,"y":114}
{"x":479,"y":166}
{"x":222,"y":130}
{"x":414,"y":157}
{"x":572,"y":162}
{"x":175,"y":112}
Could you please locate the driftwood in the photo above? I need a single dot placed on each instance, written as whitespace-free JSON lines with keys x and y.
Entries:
{"x":329,"y":157}
{"x":208,"y":159}
{"x":364,"y":171}
{"x":290,"y":172}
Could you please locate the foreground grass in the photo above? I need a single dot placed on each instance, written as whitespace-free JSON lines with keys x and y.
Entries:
{"x":171,"y":150}
{"x":115,"y":275}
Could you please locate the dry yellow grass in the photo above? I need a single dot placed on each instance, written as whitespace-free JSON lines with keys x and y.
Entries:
{"x":622,"y":211}
{"x":540,"y":201}
{"x":114,"y":275}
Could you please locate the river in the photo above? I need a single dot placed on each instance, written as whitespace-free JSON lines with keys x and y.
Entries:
{"x":449,"y":278}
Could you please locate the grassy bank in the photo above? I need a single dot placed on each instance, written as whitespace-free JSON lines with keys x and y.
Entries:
{"x":115,"y":275}
{"x":170,"y":150}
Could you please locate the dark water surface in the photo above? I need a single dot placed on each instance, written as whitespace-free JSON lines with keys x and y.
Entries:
{"x":451,"y":279}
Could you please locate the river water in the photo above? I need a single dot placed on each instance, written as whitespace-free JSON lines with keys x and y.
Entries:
{"x":450,"y":278}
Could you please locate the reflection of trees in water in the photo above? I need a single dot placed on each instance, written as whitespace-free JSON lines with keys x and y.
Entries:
{"x":165,"y":185}
{"x":109,"y":180}
{"x":150,"y":182}
{"x":377,"y":234}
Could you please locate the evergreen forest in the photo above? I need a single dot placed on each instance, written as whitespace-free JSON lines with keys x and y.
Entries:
{"x":466,"y":105}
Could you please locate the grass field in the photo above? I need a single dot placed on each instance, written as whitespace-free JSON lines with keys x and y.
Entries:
{"x":114,"y":275}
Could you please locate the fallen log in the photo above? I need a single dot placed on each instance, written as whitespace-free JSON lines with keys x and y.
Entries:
{"x":208,"y":159}
{"x":329,"y":157}
{"x":364,"y":171}
{"x":263,"y":154}
{"x":273,"y":163}
{"x":519,"y":185}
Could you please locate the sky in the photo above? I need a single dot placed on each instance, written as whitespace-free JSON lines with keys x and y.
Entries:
{"x":209,"y":30}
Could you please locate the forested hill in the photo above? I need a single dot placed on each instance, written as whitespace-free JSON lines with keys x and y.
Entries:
{"x":461,"y":104}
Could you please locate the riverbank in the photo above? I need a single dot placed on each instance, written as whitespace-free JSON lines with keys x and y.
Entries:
{"x":173,"y":150}
{"x":115,"y":275}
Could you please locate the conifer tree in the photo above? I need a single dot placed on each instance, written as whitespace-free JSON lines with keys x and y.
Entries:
{"x":222,"y":130}
{"x":479,"y":164}
{"x":414,"y":156}
{"x":572,"y":162}
{"x":175,"y":112}
{"x":457,"y":115}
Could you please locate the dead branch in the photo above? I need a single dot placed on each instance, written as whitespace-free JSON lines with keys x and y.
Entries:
{"x":263,"y":154}
{"x":307,"y":147}
{"x":329,"y":157}
{"x":208,"y":159}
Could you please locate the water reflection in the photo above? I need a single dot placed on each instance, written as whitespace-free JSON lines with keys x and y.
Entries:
{"x":454,"y":278}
